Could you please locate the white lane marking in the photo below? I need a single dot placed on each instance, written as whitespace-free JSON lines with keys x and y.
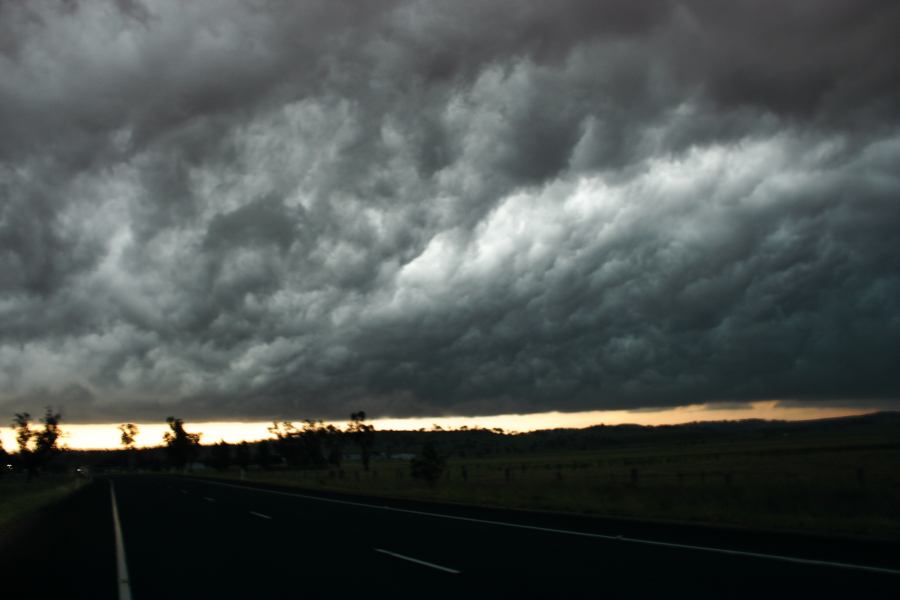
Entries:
{"x":262,"y":516}
{"x":183,"y":492}
{"x":417,"y":561}
{"x":208,"y":499}
{"x":618,"y":538}
{"x":121,"y":565}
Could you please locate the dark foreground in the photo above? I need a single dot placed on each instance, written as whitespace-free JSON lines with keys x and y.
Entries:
{"x":192,"y":538}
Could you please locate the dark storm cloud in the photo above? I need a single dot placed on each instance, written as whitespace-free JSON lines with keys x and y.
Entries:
{"x":297,"y":209}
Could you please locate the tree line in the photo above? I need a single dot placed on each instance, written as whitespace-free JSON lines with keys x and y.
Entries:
{"x":311,"y":445}
{"x":37,"y":447}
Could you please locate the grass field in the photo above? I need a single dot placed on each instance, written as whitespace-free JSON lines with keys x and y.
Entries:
{"x":839,"y":486}
{"x":19,"y":498}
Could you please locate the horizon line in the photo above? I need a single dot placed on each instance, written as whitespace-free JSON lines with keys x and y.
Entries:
{"x":105,"y":436}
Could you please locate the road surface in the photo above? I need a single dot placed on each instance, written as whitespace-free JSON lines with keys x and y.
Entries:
{"x":181,"y":537}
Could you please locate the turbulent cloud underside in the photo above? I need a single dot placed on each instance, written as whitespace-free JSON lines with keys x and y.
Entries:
{"x":298,"y":209}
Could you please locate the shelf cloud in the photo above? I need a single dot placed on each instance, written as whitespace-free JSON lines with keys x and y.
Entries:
{"x":269,"y":209}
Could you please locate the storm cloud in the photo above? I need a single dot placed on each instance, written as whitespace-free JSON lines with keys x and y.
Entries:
{"x":267,"y":209}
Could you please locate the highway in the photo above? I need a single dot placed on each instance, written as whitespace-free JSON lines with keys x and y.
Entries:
{"x":154,"y":536}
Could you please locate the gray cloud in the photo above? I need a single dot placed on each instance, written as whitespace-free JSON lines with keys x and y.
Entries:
{"x":280,"y":209}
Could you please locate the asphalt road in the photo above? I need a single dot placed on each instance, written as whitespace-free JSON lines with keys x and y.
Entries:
{"x":191,"y":538}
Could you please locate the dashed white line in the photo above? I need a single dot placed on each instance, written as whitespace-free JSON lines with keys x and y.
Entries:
{"x":778,"y":557}
{"x":260,"y":515}
{"x":208,"y":499}
{"x":121,"y":564}
{"x":417,"y":561}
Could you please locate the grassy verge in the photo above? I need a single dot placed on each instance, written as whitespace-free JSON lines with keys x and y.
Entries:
{"x":20,"y":498}
{"x":840,"y":489}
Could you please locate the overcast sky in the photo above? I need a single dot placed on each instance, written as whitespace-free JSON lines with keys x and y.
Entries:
{"x":278,"y":209}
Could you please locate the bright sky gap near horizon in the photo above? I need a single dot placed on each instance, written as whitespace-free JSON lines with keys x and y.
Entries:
{"x":238,"y":212}
{"x":107,"y":435}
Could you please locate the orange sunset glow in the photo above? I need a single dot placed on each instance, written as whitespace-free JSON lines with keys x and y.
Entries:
{"x":106,"y":435}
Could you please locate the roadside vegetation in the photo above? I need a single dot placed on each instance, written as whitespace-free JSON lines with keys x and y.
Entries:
{"x":19,"y":498}
{"x":835,"y":476}
{"x":823,"y":482}
{"x":33,"y":477}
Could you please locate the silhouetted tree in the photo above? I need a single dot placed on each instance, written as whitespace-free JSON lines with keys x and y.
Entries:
{"x":221,"y":455}
{"x":428,"y":465}
{"x":181,"y":446}
{"x":22,"y":425}
{"x":129,"y":433}
{"x":46,"y":440}
{"x":37,"y":447}
{"x":4,"y":460}
{"x":363,"y":434}
{"x":242,"y":455}
{"x":287,"y":441}
{"x":306,"y":447}
{"x":333,"y":439}
{"x":127,"y":439}
{"x":264,"y":456}
{"x":25,"y":458}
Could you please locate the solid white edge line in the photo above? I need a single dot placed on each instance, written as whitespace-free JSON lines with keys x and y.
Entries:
{"x":121,"y":564}
{"x":417,"y":561}
{"x":779,"y":557}
{"x":262,"y":516}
